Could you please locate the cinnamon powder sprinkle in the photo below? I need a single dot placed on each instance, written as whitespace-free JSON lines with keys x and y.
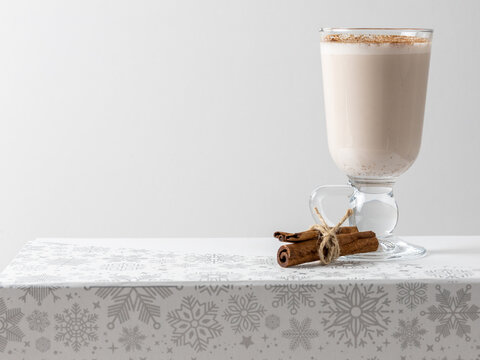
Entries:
{"x":375,"y":39}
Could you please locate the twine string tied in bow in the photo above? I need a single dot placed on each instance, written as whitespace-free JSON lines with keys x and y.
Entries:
{"x":327,"y":243}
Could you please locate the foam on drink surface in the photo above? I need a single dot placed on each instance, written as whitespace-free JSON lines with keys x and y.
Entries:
{"x":374,"y":44}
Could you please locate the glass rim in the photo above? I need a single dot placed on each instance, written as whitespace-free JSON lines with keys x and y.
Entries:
{"x":380,"y":29}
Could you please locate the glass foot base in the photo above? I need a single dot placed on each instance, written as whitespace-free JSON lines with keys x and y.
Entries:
{"x":392,"y":248}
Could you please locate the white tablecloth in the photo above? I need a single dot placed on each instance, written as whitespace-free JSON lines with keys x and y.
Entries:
{"x":150,"y":299}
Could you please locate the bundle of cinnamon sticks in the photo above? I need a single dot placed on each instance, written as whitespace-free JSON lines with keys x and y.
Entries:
{"x":303,"y":247}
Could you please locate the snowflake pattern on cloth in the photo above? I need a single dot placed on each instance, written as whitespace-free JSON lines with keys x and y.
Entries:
{"x":453,"y":312}
{"x":38,"y":321}
{"x":9,"y":319}
{"x":409,"y":333}
{"x":293,"y":296}
{"x":76,"y":327}
{"x":194,"y":323}
{"x":272,"y":321}
{"x":43,"y":344}
{"x":244,"y":313}
{"x":141,"y":300}
{"x":132,"y":339}
{"x":355,"y":313}
{"x":55,"y":263}
{"x":94,"y":302}
{"x":300,"y":334}
{"x":39,"y":293}
{"x":411,"y":294}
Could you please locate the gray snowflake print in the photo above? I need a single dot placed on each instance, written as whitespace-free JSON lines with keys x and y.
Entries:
{"x":450,"y":273}
{"x":272,"y":321}
{"x":351,"y":265}
{"x":122,"y":266}
{"x":9,"y":319}
{"x":138,"y":299}
{"x":42,"y":344}
{"x":409,"y":333}
{"x":213,"y":276}
{"x":76,"y":327}
{"x":213,"y":259}
{"x":126,"y":258}
{"x":411,"y":294}
{"x":213,"y":289}
{"x":300,"y":334}
{"x":132,"y":338}
{"x":194,"y":323}
{"x":355,"y":314}
{"x":244,"y":313}
{"x":39,"y":293}
{"x":38,"y":321}
{"x":453,"y":312}
{"x":293,"y":296}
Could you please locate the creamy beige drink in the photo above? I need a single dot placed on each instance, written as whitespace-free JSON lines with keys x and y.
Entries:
{"x":374,"y":88}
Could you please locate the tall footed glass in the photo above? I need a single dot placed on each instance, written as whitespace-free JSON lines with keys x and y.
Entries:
{"x":375,"y":83}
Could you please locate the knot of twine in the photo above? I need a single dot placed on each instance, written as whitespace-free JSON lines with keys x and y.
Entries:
{"x":327,"y":244}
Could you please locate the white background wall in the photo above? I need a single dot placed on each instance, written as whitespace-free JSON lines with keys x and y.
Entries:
{"x":205,"y":118}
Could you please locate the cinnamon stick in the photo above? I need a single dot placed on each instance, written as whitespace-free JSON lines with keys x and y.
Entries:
{"x":309,"y":234}
{"x":306,"y":251}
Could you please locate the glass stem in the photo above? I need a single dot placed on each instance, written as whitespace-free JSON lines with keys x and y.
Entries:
{"x":374,"y":206}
